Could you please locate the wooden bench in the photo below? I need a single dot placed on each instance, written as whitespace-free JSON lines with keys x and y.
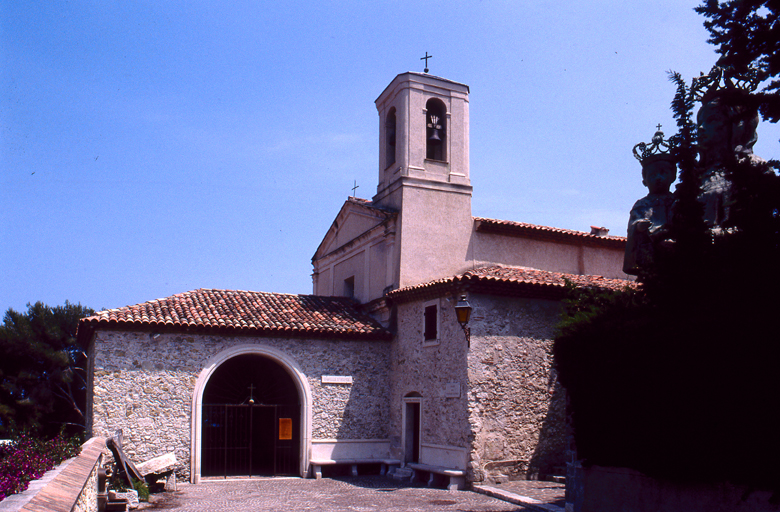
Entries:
{"x":457,"y":477}
{"x":387,"y":465}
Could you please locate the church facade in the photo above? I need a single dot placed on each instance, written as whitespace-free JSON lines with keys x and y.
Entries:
{"x":373,"y":367}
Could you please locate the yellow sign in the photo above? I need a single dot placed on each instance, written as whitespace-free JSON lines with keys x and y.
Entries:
{"x":285,"y":429}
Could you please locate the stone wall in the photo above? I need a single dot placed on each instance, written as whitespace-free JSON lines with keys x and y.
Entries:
{"x":143,"y":383}
{"x":87,"y":501}
{"x":510,"y":415}
{"x":516,"y":406}
{"x":434,"y":370}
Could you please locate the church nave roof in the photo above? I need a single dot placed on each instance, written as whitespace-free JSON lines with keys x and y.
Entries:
{"x":246,"y":312}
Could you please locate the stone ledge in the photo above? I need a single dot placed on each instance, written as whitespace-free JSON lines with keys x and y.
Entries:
{"x":15,"y":502}
{"x":62,"y":493}
{"x":516,"y":499}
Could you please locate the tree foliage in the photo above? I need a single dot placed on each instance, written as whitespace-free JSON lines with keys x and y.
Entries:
{"x":42,"y":370}
{"x":747,"y":34}
{"x":678,"y":378}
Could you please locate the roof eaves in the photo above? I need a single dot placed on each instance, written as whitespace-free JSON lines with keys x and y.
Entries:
{"x":511,"y":228}
{"x":89,"y":326}
{"x":489,"y":284}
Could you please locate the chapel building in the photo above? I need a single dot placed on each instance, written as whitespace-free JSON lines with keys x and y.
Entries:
{"x":373,"y":369}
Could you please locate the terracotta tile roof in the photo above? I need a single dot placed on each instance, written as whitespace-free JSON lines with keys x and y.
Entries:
{"x":519,"y":281}
{"x":246,"y":313}
{"x":544,"y":277}
{"x":510,"y":228}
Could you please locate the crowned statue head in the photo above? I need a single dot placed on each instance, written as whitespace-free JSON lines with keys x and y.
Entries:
{"x":726,"y":121}
{"x":659,"y":168}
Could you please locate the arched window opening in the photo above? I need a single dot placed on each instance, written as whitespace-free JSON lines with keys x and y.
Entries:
{"x":390,"y":138}
{"x":436,"y":132}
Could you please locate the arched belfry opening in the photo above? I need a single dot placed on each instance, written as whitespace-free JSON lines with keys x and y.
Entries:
{"x":390,"y":130}
{"x":436,"y":130}
{"x":250,"y":419}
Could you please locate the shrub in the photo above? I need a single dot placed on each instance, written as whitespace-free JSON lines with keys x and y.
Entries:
{"x":27,"y":458}
{"x":142,"y":489}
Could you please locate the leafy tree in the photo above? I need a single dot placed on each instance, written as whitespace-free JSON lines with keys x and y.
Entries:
{"x":42,"y":370}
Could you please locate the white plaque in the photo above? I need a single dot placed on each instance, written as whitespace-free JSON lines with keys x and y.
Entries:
{"x":452,"y":390}
{"x":337,"y":379}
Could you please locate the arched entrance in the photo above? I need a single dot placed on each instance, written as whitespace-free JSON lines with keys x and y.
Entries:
{"x":251,"y":420}
{"x":251,"y":416}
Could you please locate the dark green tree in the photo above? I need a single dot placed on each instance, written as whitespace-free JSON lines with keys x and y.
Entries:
{"x":747,"y":34}
{"x":678,"y":378}
{"x":42,"y":370}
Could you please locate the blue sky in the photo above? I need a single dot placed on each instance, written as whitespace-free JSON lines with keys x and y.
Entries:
{"x":149,"y":148}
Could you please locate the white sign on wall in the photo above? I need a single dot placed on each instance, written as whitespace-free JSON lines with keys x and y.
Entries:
{"x":452,"y":390}
{"x":337,"y":379}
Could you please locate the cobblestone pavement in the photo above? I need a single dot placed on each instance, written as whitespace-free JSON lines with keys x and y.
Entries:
{"x":359,"y":494}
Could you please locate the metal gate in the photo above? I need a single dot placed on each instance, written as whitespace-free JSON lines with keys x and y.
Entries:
{"x":250,"y":440}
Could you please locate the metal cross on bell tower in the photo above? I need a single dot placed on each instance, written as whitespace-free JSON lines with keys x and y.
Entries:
{"x":426,"y":60}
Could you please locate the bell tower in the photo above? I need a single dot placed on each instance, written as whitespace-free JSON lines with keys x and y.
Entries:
{"x":423,"y":133}
{"x":424,"y":174}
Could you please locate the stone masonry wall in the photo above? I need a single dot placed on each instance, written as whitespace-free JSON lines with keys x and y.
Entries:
{"x":430,"y":369}
{"x":516,"y":406}
{"x":511,"y":412}
{"x":144,"y":383}
{"x":87,"y":501}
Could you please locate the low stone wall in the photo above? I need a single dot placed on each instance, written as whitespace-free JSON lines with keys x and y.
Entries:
{"x":72,"y":489}
{"x":607,"y":489}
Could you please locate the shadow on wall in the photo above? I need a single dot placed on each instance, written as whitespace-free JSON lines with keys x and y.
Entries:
{"x":550,"y":455}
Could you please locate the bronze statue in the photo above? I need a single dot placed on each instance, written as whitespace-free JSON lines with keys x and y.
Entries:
{"x":726,"y":131}
{"x":650,"y":216}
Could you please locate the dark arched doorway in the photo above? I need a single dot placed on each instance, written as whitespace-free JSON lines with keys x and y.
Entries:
{"x":251,"y":420}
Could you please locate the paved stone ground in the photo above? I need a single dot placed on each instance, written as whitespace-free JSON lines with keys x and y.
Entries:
{"x":358,"y":494}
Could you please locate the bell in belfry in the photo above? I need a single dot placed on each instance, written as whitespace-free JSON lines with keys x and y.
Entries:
{"x":434,"y":130}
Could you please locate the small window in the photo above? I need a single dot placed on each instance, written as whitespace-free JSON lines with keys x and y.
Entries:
{"x":349,"y":287}
{"x":431,"y":323}
{"x":390,"y":138}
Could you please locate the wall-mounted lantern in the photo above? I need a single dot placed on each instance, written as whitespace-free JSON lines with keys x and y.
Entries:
{"x":463,"y":312}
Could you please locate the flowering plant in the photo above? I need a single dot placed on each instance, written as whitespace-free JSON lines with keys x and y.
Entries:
{"x":27,"y":458}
